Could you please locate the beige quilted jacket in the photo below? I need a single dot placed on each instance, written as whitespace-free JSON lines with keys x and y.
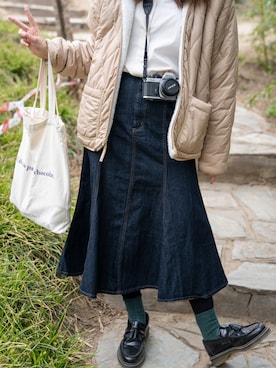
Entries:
{"x":201,"y":125}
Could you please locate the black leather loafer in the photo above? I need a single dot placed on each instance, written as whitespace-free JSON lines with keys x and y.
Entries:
{"x":234,"y":338}
{"x":131,"y":352}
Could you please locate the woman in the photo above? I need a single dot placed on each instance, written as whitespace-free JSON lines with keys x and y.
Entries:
{"x":159,"y":99}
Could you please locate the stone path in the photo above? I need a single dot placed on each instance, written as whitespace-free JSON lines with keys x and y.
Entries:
{"x":174,"y":342}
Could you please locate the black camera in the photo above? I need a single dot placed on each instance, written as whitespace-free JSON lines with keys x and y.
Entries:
{"x":161,"y":88}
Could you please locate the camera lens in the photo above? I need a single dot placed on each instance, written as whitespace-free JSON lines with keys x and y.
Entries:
{"x":169,"y":87}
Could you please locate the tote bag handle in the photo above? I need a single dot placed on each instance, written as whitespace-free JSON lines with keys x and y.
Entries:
{"x":46,"y":74}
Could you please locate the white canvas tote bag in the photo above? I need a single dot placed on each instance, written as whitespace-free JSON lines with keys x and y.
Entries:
{"x":41,"y":186}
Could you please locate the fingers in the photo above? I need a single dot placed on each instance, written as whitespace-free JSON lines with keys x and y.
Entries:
{"x":27,"y":38}
{"x":24,"y":42}
{"x":212,"y":179}
{"x":22,"y":25}
{"x":24,"y":38}
{"x":18,"y":23}
{"x":30,"y":17}
{"x":31,"y":36}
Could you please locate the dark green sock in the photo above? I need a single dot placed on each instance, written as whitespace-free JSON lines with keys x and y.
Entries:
{"x":208,"y":324}
{"x":135,"y":309}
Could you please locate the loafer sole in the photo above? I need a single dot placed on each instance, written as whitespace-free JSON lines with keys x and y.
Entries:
{"x":130,"y":365}
{"x":136,"y":364}
{"x":218,"y":359}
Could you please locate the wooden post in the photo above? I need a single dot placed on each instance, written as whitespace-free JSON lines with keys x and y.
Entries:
{"x":63,"y":19}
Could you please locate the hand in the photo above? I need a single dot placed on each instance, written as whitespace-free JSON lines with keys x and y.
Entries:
{"x":31,"y":36}
{"x":213,"y":179}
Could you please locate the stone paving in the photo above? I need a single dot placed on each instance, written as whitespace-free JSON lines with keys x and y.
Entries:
{"x":175,"y":342}
{"x":242,"y":212}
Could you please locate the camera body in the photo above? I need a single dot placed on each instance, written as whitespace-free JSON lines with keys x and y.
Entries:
{"x":161,"y":88}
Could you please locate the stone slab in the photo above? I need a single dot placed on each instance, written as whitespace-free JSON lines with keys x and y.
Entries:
{"x":263,"y":307}
{"x":163,"y":350}
{"x":251,"y":134}
{"x":260,"y":277}
{"x":254,"y":144}
{"x":264,"y":230}
{"x":248,"y":121}
{"x":253,"y":362}
{"x":218,"y":198}
{"x":230,"y":303}
{"x":259,"y":201}
{"x":237,"y":362}
{"x":227,"y":223}
{"x":258,"y":362}
{"x":254,"y":251}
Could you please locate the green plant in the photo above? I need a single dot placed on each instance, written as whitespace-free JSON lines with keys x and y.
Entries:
{"x":271,"y":111}
{"x":264,"y":34}
{"x":268,"y":93}
{"x":263,"y":38}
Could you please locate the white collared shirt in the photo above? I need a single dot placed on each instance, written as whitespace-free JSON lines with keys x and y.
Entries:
{"x":165,"y":28}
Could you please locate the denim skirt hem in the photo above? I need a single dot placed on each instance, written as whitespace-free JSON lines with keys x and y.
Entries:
{"x":140,"y":221}
{"x":174,"y":299}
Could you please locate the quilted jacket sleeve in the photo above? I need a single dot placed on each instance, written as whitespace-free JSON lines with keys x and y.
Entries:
{"x":223,"y":83}
{"x":73,"y":58}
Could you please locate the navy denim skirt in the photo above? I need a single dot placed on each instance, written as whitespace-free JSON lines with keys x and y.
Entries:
{"x":140,"y":221}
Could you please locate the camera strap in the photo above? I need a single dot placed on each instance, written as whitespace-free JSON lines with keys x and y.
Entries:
{"x":147,"y":5}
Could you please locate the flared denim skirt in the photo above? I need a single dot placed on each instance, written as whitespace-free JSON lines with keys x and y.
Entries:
{"x":140,"y":221}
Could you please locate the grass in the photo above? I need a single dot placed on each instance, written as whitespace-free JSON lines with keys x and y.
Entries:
{"x":34,"y":330}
